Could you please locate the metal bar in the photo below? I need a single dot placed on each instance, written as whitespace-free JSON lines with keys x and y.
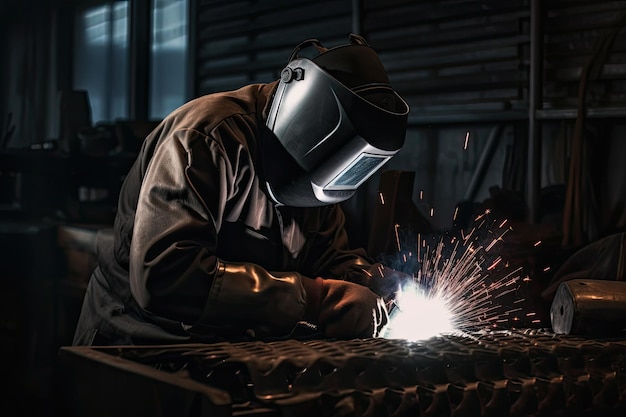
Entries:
{"x":357,"y":16}
{"x":485,"y":158}
{"x":593,"y":112}
{"x":140,"y":25}
{"x":191,"y":85}
{"x":533,"y":183}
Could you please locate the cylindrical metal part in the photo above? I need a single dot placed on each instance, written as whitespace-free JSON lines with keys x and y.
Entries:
{"x":588,"y":306}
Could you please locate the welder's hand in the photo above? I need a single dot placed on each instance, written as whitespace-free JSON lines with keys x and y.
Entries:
{"x":347,"y":310}
{"x":386,"y":281}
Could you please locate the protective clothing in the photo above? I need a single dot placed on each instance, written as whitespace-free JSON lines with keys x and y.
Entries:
{"x":343,"y":309}
{"x":199,"y":251}
{"x":337,"y":121}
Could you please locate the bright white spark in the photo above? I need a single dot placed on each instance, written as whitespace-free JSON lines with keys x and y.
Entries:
{"x":418,"y":316}
{"x":457,"y":287}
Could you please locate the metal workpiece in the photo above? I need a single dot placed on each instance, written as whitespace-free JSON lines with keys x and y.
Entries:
{"x":589,"y":307}
{"x":500,"y":373}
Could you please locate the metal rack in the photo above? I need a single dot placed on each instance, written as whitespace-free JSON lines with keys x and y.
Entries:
{"x":497,"y":373}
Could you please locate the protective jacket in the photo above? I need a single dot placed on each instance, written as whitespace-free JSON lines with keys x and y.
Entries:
{"x":199,"y":251}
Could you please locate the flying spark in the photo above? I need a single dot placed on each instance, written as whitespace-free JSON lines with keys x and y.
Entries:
{"x":397,"y":237}
{"x":457,"y":286}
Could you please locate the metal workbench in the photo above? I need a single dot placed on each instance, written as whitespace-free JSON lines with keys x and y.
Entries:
{"x":498,"y":373}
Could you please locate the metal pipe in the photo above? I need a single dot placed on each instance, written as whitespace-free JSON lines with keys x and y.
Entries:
{"x":533,"y":183}
{"x":483,"y":163}
{"x":357,"y":14}
{"x":140,"y":26}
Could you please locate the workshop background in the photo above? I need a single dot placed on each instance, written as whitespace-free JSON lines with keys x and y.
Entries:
{"x":517,"y":106}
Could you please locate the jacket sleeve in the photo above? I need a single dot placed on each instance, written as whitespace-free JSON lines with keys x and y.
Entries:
{"x":331,"y":256}
{"x":188,"y":187}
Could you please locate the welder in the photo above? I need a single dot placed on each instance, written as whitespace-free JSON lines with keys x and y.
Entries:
{"x":229,"y":224}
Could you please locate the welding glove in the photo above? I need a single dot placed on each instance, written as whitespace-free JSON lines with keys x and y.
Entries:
{"x":343,"y":309}
{"x":386,"y":281}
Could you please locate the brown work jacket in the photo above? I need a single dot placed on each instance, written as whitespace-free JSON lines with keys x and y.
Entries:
{"x":198,"y":250}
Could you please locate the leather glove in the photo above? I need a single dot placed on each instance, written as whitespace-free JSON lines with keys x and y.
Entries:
{"x":386,"y":281}
{"x":343,"y":309}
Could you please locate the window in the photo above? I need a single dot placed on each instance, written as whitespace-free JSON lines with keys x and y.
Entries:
{"x":102,"y":64}
{"x":101,"y":59}
{"x":168,"y":57}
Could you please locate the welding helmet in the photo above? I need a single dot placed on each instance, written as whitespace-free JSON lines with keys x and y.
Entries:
{"x":334,"y":120}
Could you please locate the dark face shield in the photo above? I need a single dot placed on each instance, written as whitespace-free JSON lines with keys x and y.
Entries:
{"x":328,"y":139}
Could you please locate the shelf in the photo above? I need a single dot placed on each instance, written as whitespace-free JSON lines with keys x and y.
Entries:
{"x":593,"y":112}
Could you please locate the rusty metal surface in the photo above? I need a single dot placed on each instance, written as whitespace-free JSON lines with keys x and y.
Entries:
{"x":503,"y":373}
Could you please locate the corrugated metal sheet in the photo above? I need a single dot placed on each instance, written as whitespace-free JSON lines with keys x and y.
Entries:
{"x":573,"y":33}
{"x":240,"y":42}
{"x":467,"y":62}
{"x":454,"y":60}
